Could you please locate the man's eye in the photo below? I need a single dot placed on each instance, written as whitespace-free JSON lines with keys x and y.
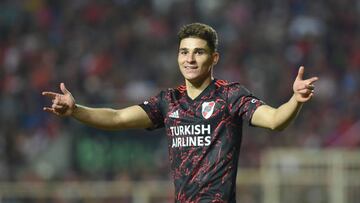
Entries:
{"x":183,"y":52}
{"x":200,"y":52}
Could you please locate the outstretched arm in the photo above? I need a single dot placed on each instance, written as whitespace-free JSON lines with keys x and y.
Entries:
{"x":63,"y":104}
{"x":279,"y":118}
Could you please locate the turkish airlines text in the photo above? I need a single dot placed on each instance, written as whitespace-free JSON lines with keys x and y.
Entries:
{"x":191,"y":135}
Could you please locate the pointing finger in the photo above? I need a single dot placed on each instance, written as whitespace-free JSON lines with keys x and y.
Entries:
{"x":312,"y":80}
{"x":49,"y":94}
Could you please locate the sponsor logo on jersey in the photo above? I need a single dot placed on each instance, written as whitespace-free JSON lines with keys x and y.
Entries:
{"x":207,"y":109}
{"x":191,"y":135}
{"x":174,"y":114}
{"x":199,"y":129}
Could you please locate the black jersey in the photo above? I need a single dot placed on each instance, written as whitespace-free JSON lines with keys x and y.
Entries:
{"x":204,"y":137}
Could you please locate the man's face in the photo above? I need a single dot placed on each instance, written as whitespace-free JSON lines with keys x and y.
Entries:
{"x":195,"y":59}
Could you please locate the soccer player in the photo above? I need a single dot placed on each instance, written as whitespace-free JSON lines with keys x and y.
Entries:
{"x":203,"y":118}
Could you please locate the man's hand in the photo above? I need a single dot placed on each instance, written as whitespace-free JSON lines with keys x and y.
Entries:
{"x":62,"y":104}
{"x":303,"y":89}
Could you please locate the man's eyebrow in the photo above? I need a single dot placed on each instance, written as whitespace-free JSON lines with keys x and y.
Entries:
{"x":200,"y":49}
{"x":196,"y":49}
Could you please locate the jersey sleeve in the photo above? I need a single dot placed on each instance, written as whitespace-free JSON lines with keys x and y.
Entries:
{"x":152,"y":107}
{"x":242,"y":103}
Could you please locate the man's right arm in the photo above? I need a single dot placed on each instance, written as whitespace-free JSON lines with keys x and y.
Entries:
{"x":63,"y":104}
{"x":112,"y":119}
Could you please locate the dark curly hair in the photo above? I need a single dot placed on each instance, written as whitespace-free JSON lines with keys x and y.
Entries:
{"x":202,"y":31}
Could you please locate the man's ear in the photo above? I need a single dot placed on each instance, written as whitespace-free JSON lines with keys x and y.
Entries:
{"x":215,"y":57}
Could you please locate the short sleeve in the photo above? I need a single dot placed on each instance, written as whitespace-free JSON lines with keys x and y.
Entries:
{"x":242,"y":103}
{"x":152,"y":107}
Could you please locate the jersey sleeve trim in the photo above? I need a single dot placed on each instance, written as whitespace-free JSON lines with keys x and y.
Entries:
{"x":153,"y":109}
{"x":242,"y":102}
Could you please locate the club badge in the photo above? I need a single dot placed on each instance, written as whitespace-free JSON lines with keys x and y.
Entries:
{"x":207,"y":109}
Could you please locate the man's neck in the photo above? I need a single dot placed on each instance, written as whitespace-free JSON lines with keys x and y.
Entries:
{"x":194,"y":89}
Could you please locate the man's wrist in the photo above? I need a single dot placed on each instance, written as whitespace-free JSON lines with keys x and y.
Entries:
{"x":75,"y":108}
{"x":294,"y":98}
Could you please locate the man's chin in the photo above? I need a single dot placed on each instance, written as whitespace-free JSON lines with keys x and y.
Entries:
{"x":191,"y":78}
{"x":195,"y":80}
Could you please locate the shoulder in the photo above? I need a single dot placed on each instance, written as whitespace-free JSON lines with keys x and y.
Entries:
{"x":229,"y":86}
{"x":171,"y":93}
{"x":232,"y":91}
{"x":180,"y":89}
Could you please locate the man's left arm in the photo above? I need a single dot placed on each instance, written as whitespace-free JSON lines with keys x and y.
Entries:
{"x":279,"y":118}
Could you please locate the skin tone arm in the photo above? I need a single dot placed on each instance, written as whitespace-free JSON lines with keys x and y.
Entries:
{"x":63,"y":104}
{"x":279,"y":118}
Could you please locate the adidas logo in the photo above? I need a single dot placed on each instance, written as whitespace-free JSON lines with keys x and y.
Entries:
{"x":174,"y":114}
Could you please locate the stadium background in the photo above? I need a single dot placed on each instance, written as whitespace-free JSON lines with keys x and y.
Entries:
{"x":120,"y":52}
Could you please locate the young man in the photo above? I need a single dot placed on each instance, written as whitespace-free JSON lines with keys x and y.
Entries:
{"x":203,"y":118}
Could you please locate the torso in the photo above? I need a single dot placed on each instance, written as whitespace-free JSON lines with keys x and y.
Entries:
{"x":204,"y":137}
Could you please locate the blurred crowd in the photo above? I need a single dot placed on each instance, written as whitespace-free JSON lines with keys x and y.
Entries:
{"x":119,"y":52}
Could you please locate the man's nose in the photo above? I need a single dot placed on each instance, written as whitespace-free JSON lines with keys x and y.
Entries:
{"x":190,"y":58}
